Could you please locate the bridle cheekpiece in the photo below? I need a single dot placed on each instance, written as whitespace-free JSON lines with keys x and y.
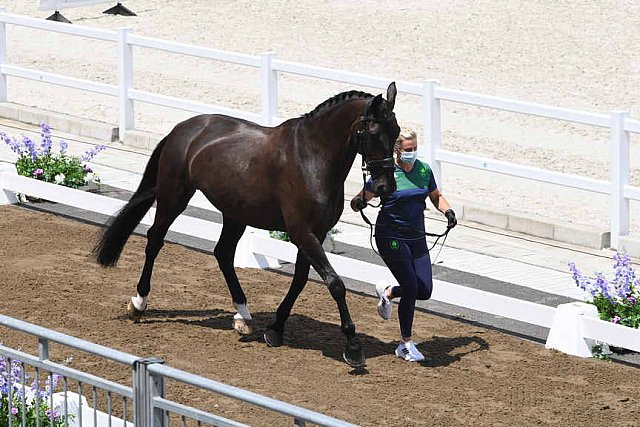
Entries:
{"x":374,"y":166}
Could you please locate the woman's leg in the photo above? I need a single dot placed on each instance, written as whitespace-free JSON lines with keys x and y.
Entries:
{"x":422,"y":267}
{"x":397,"y":255}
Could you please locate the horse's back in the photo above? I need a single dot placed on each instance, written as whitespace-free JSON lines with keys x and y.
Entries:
{"x":234,"y":163}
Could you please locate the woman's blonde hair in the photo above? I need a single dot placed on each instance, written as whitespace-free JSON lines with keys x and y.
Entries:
{"x":405,"y":135}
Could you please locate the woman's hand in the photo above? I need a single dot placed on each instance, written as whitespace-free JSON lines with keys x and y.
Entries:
{"x":451,"y":218}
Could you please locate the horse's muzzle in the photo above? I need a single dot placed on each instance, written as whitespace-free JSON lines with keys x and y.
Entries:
{"x":383,"y":191}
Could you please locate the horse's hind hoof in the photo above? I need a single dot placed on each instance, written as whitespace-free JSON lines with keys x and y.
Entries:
{"x":273,"y":338}
{"x":133,"y":313}
{"x":242,"y":327}
{"x":354,"y":358}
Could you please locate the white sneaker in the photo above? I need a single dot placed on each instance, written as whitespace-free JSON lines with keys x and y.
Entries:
{"x":408,"y":351}
{"x":384,"y":304}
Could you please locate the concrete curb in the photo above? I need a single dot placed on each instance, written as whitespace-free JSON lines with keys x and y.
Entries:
{"x":507,"y":220}
{"x":62,"y":122}
{"x":535,"y":226}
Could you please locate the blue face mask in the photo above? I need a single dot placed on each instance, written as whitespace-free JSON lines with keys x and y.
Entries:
{"x":408,"y":157}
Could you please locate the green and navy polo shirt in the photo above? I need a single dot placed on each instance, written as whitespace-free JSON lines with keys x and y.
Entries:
{"x":402,"y":213}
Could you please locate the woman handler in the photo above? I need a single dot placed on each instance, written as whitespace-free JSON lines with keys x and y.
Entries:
{"x":400,"y":237}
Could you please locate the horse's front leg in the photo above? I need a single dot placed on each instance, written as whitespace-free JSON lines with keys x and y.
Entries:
{"x":312,"y":248}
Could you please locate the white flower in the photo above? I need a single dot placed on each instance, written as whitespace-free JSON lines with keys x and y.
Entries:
{"x":88,"y":177}
{"x":59,"y":179}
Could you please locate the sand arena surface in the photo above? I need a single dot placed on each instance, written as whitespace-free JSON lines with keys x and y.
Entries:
{"x":572,"y":54}
{"x":472,"y":376}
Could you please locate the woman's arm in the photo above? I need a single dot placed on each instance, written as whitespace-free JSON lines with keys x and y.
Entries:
{"x":439,"y":201}
{"x":443,"y":206}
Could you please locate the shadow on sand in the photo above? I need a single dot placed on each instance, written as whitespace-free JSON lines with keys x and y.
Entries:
{"x":306,"y":333}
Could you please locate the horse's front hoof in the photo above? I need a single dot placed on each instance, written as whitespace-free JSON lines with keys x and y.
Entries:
{"x":242,"y":327}
{"x":273,"y":338}
{"x":354,"y":357}
{"x":133,"y":313}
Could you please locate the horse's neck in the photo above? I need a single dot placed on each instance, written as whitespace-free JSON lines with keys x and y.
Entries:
{"x":341,"y":146}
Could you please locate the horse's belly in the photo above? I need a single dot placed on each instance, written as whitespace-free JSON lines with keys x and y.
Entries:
{"x":266,"y":214}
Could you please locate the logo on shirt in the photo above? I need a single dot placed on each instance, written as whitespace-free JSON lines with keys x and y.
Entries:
{"x":423,"y":171}
{"x":394,"y":245}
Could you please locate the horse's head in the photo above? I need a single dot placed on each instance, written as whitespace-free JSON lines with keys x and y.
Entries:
{"x":377,"y":135}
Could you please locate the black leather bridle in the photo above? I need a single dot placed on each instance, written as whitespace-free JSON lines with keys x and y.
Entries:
{"x":375,"y":167}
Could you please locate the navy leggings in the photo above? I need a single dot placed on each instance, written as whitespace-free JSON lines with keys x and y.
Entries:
{"x":410,"y":264}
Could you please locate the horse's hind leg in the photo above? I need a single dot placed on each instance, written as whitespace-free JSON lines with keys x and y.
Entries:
{"x":225,"y":252}
{"x":169,"y":206}
{"x":274,"y":335}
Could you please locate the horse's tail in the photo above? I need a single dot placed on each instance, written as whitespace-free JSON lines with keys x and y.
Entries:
{"x":108,"y":249}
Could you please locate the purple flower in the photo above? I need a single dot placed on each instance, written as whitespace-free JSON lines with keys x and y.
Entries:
{"x":90,"y":154}
{"x":63,"y":146}
{"x":578,"y":277}
{"x":624,"y":275}
{"x":45,"y":133}
{"x":14,"y":410}
{"x":616,"y":319}
{"x":30,"y":146}
{"x":13,"y":144}
{"x":602,"y":286}
{"x":38,"y":172}
{"x":632,"y":300}
{"x":87,"y":169}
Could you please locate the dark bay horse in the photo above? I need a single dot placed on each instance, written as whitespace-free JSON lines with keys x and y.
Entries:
{"x":287,"y":178}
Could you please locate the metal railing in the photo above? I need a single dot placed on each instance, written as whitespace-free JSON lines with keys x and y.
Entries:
{"x":618,"y":122}
{"x":147,"y":393}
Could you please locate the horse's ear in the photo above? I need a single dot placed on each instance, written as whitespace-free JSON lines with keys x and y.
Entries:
{"x":391,"y":95}
{"x":376,"y":105}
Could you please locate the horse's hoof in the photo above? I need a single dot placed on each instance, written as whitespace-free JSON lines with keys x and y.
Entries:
{"x":273,"y":338}
{"x":133,"y":313}
{"x":242,"y":327}
{"x":354,"y":358}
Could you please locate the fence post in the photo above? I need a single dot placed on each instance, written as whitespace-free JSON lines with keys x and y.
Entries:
{"x":3,"y":58}
{"x":125,"y":83}
{"x":246,"y":257}
{"x":269,"y":83}
{"x":43,"y":349}
{"x":619,"y":177}
{"x":7,"y":197}
{"x":145,"y":387}
{"x":432,"y":128}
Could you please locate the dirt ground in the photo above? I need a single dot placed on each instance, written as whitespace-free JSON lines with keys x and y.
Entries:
{"x":472,"y":376}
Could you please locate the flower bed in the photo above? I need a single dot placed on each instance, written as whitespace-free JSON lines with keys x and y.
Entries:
{"x":28,"y":403}
{"x":39,"y":162}
{"x":616,"y":298}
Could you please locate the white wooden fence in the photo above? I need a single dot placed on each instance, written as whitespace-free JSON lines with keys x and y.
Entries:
{"x":256,"y":247}
{"x":619,"y":123}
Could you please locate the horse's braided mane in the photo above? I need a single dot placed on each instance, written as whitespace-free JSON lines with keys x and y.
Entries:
{"x":338,"y":99}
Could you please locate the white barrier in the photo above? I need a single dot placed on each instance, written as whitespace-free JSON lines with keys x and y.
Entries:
{"x":432,"y":94}
{"x":257,"y":246}
{"x":78,"y":408}
{"x":65,"y":4}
